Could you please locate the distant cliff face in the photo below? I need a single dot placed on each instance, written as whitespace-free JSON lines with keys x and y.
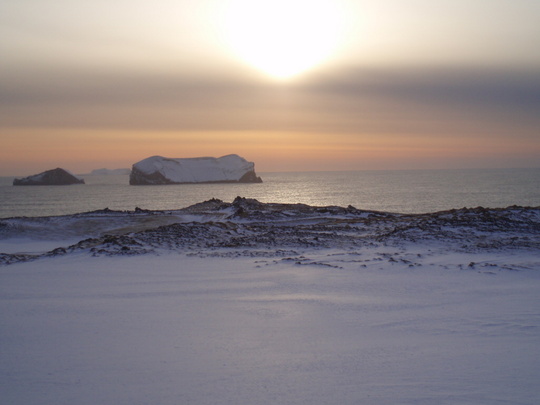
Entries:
{"x":161,"y":170}
{"x":54,"y":177}
{"x":109,"y":172}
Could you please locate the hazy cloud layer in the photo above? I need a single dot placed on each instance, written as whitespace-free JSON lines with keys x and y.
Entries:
{"x":337,"y":101}
{"x":457,"y":81}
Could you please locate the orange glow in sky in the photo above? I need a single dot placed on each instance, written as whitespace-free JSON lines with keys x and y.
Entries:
{"x":290,"y":85}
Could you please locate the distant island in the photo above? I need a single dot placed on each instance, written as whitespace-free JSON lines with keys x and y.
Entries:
{"x":109,"y":172}
{"x":54,"y":177}
{"x":162,"y":170}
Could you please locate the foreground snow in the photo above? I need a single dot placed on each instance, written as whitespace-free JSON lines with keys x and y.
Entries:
{"x":249,"y":303}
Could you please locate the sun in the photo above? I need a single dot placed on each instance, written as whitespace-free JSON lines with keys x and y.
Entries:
{"x":283,"y":37}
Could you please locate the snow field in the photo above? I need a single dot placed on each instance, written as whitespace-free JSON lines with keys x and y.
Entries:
{"x":320,"y":327}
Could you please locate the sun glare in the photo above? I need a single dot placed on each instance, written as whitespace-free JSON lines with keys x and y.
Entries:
{"x":283,"y":37}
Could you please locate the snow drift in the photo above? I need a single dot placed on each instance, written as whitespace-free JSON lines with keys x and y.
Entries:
{"x":263,"y":303}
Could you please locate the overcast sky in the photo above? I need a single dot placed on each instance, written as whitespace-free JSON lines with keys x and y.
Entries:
{"x":290,"y":85}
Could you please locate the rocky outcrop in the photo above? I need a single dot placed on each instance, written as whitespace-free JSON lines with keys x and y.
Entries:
{"x":162,"y":170}
{"x":54,"y":177}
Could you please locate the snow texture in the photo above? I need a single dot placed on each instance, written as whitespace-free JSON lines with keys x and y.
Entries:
{"x":161,"y":170}
{"x":247,"y":226}
{"x":253,"y":303}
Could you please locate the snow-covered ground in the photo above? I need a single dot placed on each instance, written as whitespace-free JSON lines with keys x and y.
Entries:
{"x":250,"y":303}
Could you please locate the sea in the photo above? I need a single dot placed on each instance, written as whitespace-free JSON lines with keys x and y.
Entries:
{"x":403,"y":191}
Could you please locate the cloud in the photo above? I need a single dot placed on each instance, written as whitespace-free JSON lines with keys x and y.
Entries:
{"x":504,"y":88}
{"x":440,"y":101}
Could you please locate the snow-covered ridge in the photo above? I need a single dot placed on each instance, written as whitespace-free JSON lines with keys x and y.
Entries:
{"x":247,"y":226}
{"x":162,"y":170}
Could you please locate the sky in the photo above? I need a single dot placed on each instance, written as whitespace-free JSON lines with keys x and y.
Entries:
{"x":292,"y":85}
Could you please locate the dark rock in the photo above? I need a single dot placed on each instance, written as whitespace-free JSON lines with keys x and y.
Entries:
{"x":54,"y":177}
{"x":250,"y":177}
{"x":139,"y":178}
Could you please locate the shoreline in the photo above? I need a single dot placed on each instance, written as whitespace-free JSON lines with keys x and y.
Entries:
{"x":247,"y":225}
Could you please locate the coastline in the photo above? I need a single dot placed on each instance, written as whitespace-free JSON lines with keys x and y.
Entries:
{"x":420,"y":191}
{"x":250,"y":227}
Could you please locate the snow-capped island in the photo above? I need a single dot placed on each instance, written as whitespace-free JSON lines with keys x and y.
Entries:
{"x":54,"y":177}
{"x":162,"y":170}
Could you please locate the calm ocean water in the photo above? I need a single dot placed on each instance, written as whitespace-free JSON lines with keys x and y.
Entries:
{"x":411,"y":191}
